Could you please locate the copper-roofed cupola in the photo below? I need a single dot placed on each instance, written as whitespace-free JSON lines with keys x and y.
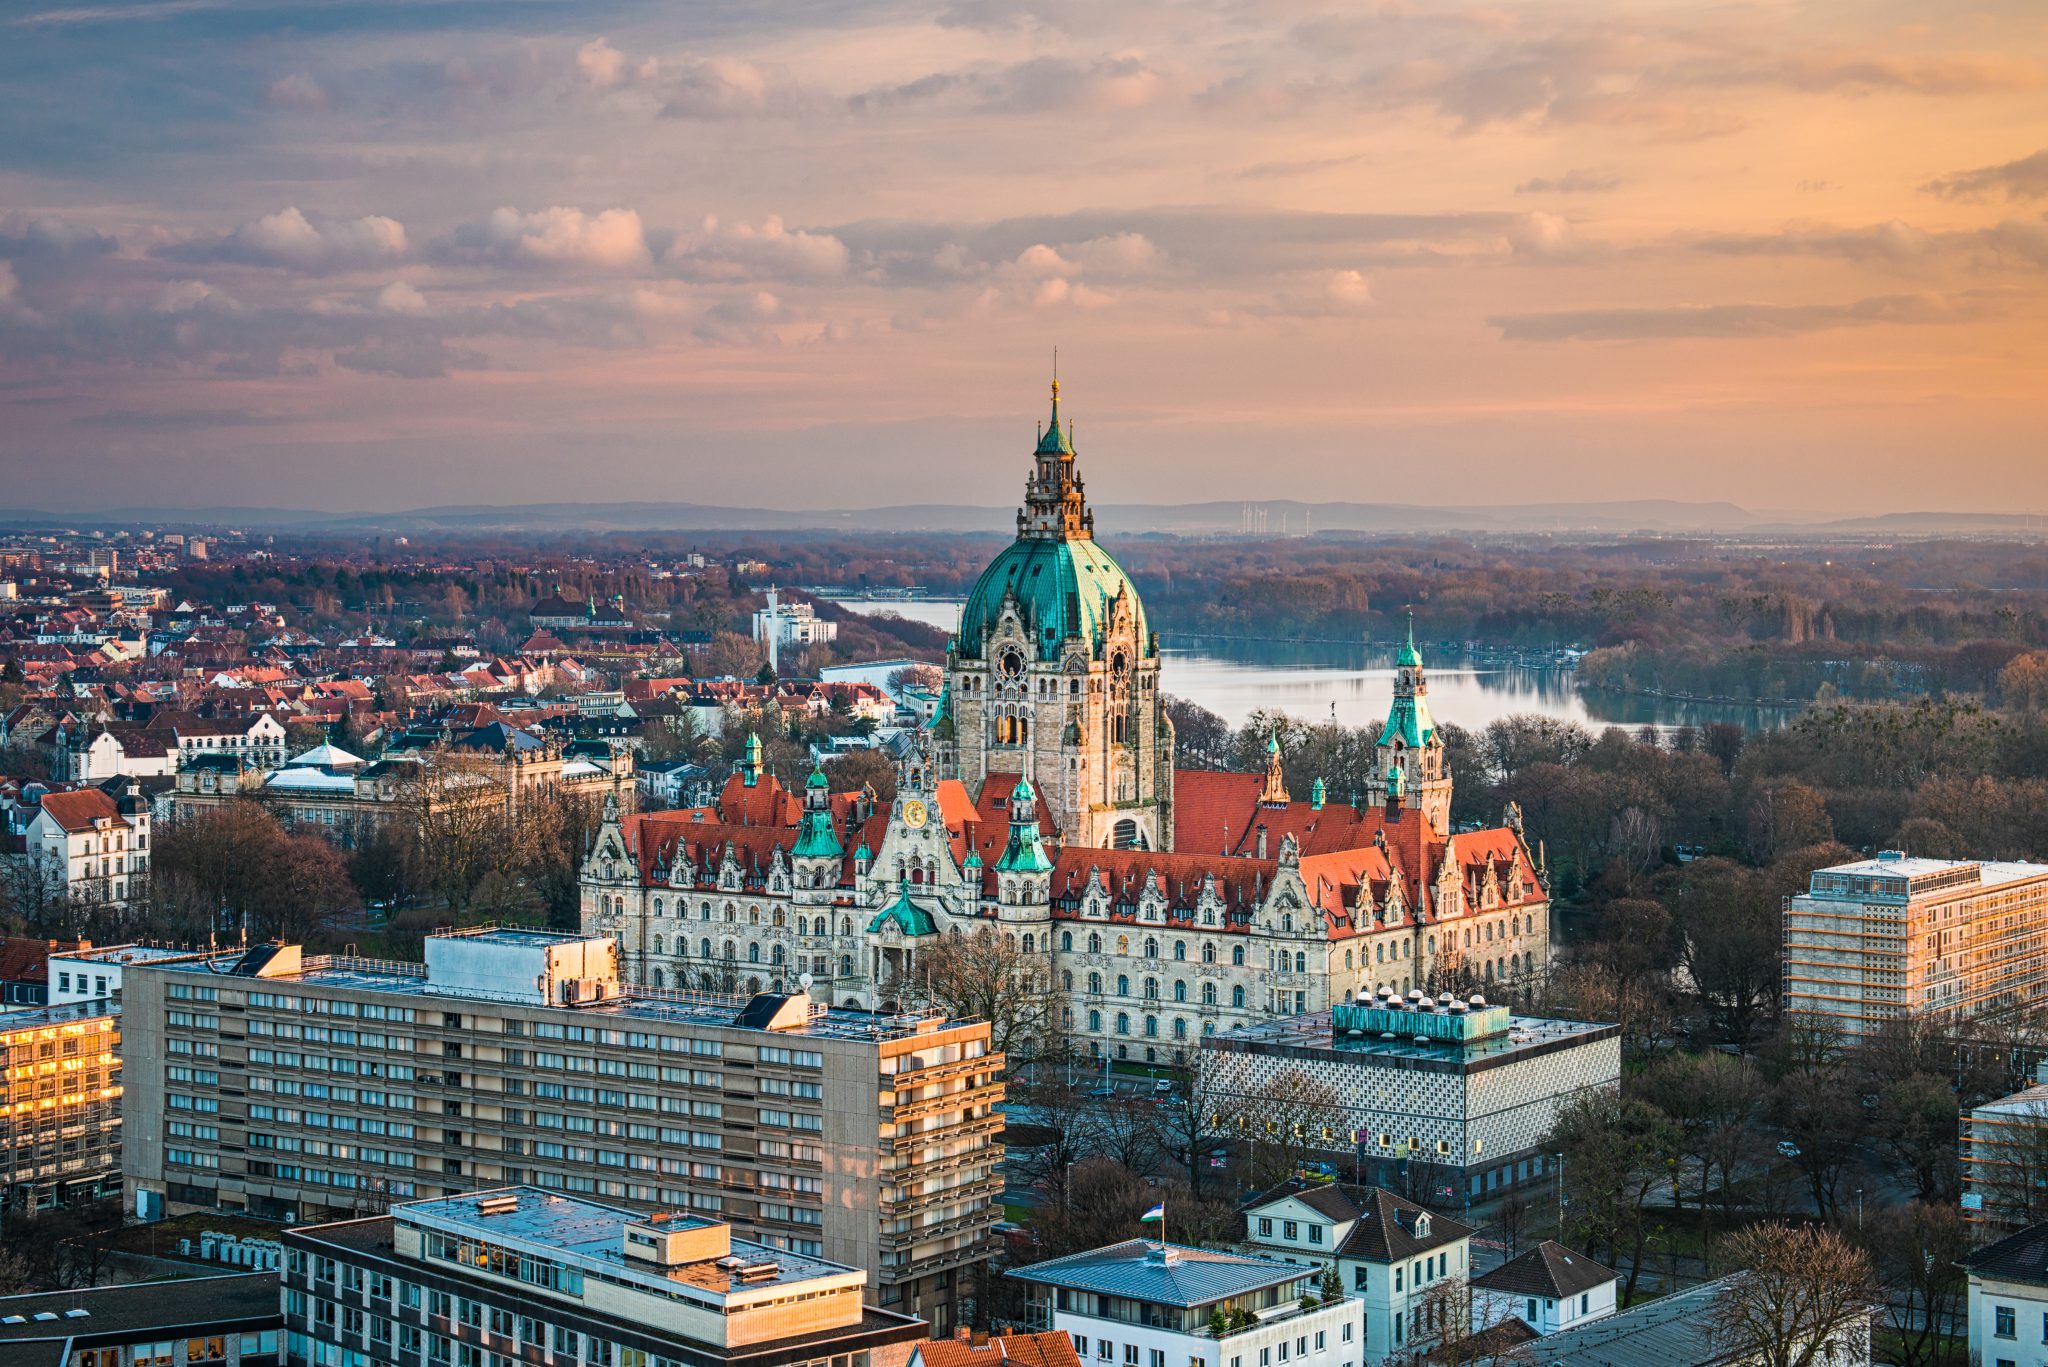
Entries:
{"x":1055,"y":504}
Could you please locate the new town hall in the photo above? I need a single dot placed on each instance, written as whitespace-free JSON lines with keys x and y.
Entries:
{"x":1043,"y":802}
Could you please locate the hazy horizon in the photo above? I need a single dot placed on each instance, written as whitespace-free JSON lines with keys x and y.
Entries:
{"x":385,"y":257}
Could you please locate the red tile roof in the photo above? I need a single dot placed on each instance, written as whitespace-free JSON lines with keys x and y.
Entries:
{"x":79,"y":810}
{"x":1049,"y":1349}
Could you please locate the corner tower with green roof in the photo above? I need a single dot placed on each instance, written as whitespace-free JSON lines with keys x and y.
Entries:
{"x":1054,"y":672}
{"x":1410,"y":747}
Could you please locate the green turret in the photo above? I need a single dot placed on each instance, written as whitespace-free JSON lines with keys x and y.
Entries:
{"x":750,"y":761}
{"x":1024,"y":853}
{"x":817,"y":839}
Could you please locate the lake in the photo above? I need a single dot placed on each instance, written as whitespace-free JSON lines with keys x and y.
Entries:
{"x":1317,"y":681}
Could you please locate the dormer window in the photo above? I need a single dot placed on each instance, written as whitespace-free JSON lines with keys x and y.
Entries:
{"x":1422,"y":1225}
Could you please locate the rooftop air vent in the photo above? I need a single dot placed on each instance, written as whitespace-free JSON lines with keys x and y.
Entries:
{"x":14,"y":1319}
{"x":78,"y":1314}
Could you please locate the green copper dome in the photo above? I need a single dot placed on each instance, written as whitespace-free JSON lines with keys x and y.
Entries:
{"x":1063,"y":587}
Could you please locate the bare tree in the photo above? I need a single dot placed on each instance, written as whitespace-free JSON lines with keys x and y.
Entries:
{"x":1291,"y":1121}
{"x":1444,"y":1335}
{"x":1803,"y":1293}
{"x":986,"y":974}
{"x":1917,"y":1251}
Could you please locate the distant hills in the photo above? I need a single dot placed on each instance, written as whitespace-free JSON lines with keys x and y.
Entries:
{"x":1659,"y":516}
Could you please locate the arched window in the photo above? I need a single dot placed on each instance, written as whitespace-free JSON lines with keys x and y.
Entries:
{"x":1123,"y":985}
{"x":705,"y":949}
{"x":1180,"y":950}
{"x":1067,"y":941}
{"x":1123,"y":1023}
{"x":775,"y":955}
{"x":705,"y":913}
{"x":1095,"y":983}
{"x":1208,"y":994}
{"x":1208,"y":954}
{"x":1067,"y":980}
{"x":1300,"y":961}
{"x":659,"y":980}
{"x":1237,"y":997}
{"x":1094,"y":943}
{"x":1152,"y":989}
{"x":1151,"y":1027}
{"x":657,"y":906}
{"x":753,"y":953}
{"x":1123,"y":945}
{"x":1180,"y":989}
{"x":731,"y":951}
{"x":846,"y":965}
{"x":1237,"y":955}
{"x":657,"y":944}
{"x":1180,"y":1027}
{"x":846,"y":925}
{"x":1151,"y":948}
{"x":1095,"y":1021}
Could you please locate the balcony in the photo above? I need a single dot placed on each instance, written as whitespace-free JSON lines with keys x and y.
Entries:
{"x":981,"y":1250}
{"x":941,"y":1072}
{"x":984,"y":1218}
{"x":987,"y":1095}
{"x":978,"y":1193}
{"x":991,"y":1123}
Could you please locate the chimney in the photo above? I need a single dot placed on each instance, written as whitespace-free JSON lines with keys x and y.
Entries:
{"x":1393,"y":803}
{"x":964,"y":1334}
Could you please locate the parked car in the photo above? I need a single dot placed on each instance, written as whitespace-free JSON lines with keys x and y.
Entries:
{"x":1105,"y":1090}
{"x":1787,"y":1149}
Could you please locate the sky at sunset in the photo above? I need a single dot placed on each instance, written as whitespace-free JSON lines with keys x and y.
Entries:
{"x":347,"y":254}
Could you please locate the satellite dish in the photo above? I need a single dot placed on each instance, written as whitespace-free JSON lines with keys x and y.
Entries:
{"x":804,"y":980}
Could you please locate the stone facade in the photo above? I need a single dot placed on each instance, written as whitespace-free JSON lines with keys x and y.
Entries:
{"x":1043,"y":803}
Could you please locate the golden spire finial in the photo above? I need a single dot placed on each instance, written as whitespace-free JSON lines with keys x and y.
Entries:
{"x":1055,"y":374}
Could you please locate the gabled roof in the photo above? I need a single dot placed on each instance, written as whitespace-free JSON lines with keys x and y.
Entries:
{"x":1550,"y":1270}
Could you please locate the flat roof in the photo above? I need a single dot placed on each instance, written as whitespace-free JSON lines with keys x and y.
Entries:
{"x":590,"y":1236}
{"x":141,"y":1308}
{"x":521,"y":936}
{"x":69,"y":1013}
{"x":125,"y":954}
{"x":1183,"y":1276}
{"x":393,"y":978}
{"x":1525,"y":1034}
{"x":1991,"y":872}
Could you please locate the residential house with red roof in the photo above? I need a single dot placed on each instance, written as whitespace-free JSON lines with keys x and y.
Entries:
{"x":84,"y":846}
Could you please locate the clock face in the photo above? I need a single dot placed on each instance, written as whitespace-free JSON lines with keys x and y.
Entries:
{"x":1011,"y":662}
{"x":913,"y":813}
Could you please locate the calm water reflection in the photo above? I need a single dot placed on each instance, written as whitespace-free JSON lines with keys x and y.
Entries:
{"x":1351,"y":683}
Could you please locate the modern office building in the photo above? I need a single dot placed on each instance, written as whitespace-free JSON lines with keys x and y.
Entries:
{"x":1896,"y":936}
{"x":302,"y":1088}
{"x":230,"y":1321}
{"x":60,"y":1105}
{"x":1146,"y":1304}
{"x":522,"y":1274}
{"x":1447,"y":1099}
{"x":2002,"y":1148}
